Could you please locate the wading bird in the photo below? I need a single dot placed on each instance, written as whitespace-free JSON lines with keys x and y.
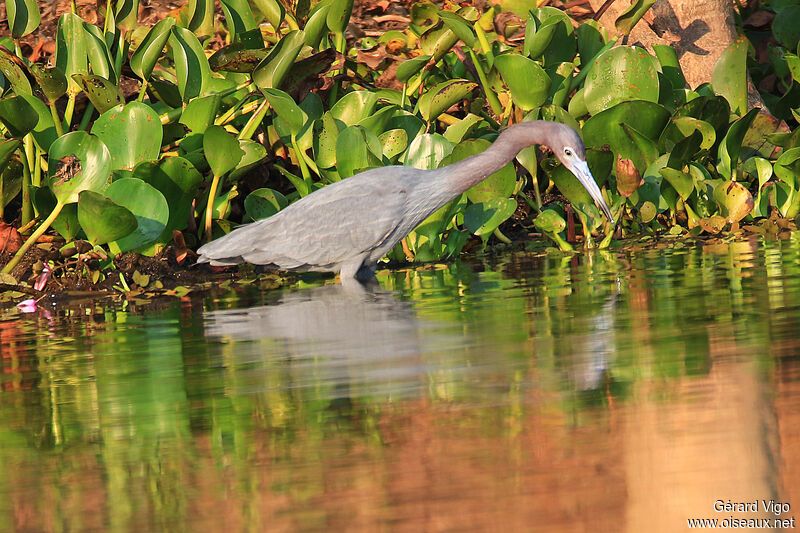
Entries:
{"x":348,"y":226}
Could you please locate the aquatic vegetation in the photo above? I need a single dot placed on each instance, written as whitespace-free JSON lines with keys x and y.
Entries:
{"x":288,"y":93}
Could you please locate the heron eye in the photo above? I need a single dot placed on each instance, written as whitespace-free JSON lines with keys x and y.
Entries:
{"x":567,"y":152}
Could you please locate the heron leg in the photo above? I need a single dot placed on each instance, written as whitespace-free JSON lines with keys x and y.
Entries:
{"x":350,"y":268}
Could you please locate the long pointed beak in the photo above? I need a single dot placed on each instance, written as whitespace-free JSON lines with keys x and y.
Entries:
{"x":584,"y":175}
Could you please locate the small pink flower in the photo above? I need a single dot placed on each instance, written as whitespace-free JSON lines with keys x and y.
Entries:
{"x":27,"y":306}
{"x":30,"y":305}
{"x":41,"y":281}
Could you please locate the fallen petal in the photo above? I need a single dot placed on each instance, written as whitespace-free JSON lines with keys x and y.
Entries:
{"x":27,"y":306}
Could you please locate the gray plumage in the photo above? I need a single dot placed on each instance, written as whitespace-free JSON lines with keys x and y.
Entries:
{"x":350,"y":225}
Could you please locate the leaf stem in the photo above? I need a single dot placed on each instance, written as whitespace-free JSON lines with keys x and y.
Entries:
{"x":494,"y":102}
{"x":502,"y":238}
{"x":87,"y":116}
{"x":212,"y":194}
{"x":250,"y":128}
{"x":33,"y":238}
{"x":69,"y":111}
{"x":142,"y":91}
{"x":56,"y":121}
{"x":301,"y":161}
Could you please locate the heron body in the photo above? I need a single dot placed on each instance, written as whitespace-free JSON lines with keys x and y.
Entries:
{"x":348,"y":226}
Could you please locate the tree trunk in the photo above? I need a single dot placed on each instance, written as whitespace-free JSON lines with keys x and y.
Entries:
{"x":698,"y":30}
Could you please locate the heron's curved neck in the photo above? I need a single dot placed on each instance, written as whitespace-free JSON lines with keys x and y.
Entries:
{"x":474,"y":169}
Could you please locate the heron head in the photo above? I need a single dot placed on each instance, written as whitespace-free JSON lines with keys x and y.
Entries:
{"x":568,"y":148}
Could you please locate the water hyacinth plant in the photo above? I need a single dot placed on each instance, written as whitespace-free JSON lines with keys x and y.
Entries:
{"x":289,"y":95}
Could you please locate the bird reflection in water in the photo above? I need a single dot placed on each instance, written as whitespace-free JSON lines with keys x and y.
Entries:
{"x":340,"y":335}
{"x":592,"y":350}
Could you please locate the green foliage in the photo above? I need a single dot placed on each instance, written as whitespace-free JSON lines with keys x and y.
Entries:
{"x":665,"y":155}
{"x":23,"y":17}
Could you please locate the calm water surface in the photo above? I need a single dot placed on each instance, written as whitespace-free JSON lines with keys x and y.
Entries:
{"x":620,"y":391}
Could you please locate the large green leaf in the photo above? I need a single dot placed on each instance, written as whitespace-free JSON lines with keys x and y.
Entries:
{"x":378,"y":121}
{"x":393,"y":143}
{"x":786,"y":26}
{"x":200,"y":15}
{"x":628,"y":19}
{"x":528,"y":82}
{"x":538,"y":35}
{"x":236,"y":57}
{"x":270,"y":72}
{"x":339,"y":15}
{"x":550,"y":221}
{"x":44,"y":133}
{"x":191,"y":64}
{"x":98,"y":53}
{"x":729,"y":77}
{"x":483,"y":218}
{"x":408,"y":68}
{"x":612,"y":127}
{"x":670,"y":65}
{"x":427,"y":151}
{"x":239,"y":16}
{"x":460,"y":26}
{"x":317,"y":24}
{"x":148,"y":206}
{"x":787,"y":168}
{"x":354,"y":107}
{"x":685,"y":150}
{"x":221,"y":150}
{"x":357,"y":149}
{"x":66,"y":224}
{"x":440,"y":98}
{"x":326,"y":133}
{"x":501,"y":184}
{"x":591,"y":39}
{"x":165,"y":91}
{"x":569,"y":185}
{"x":104,"y":94}
{"x":437,"y":40}
{"x":731,"y":145}
{"x":16,"y":72}
{"x":132,"y":134}
{"x":10,"y":171}
{"x":287,"y":109}
{"x":23,"y":17}
{"x":147,"y":54}
{"x":177,"y":180}
{"x":253,"y":153}
{"x":682,"y":182}
{"x":272,"y":10}
{"x":620,"y":74}
{"x":71,"y":50}
{"x":457,"y":132}
{"x":561,"y":78}
{"x":77,"y":161}
{"x":680,"y":128}
{"x":51,"y":81}
{"x":200,"y":113}
{"x":18,"y":116}
{"x":263,"y":203}
{"x":126,"y":14}
{"x":563,"y":44}
{"x":103,"y":220}
{"x":7,"y":149}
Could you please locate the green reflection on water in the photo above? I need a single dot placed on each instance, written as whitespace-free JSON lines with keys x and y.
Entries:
{"x":171,"y":416}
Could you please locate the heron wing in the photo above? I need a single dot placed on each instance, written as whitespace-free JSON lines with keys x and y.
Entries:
{"x":328,"y":227}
